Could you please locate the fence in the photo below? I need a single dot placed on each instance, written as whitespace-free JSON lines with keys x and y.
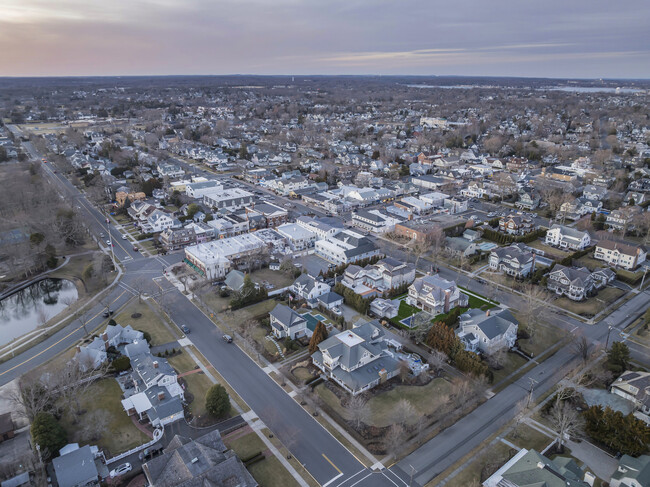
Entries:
{"x":157,"y":435}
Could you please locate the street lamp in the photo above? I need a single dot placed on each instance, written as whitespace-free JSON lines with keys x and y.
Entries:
{"x":609,"y":330}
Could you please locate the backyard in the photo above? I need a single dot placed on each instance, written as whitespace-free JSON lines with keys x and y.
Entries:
{"x":105,"y":419}
{"x":550,"y":252}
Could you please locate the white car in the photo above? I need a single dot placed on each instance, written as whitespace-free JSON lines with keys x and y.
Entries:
{"x":108,"y":242}
{"x":121,"y":470}
{"x":124,"y":237}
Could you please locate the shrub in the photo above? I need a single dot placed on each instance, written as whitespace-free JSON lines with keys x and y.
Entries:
{"x":121,"y":363}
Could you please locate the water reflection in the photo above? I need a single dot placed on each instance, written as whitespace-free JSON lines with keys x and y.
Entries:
{"x":31,"y":307}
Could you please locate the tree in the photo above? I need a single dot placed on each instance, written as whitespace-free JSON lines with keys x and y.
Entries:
{"x":358,"y":410}
{"x":535,"y":301}
{"x":192,"y":210}
{"x":566,"y":422}
{"x":320,"y":334}
{"x":394,"y":439}
{"x":403,"y":412}
{"x":120,"y":364}
{"x":618,"y":357}
{"x":48,"y":434}
{"x":217,"y":401}
{"x":580,"y":347}
{"x":625,"y":434}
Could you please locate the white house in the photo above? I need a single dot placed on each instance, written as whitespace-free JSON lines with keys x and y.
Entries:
{"x":567,"y":238}
{"x":297,"y":236}
{"x":487,"y":331}
{"x":157,"y":221}
{"x":285,"y":322}
{"x":620,"y":254}
{"x":308,"y":287}
{"x":345,"y":247}
{"x":435,"y":294}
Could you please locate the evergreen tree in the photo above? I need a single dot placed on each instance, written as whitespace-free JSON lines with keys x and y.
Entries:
{"x":618,"y":357}
{"x":48,"y":434}
{"x":320,"y":334}
{"x":217,"y":401}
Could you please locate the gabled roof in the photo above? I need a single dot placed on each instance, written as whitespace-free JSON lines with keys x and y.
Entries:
{"x":492,"y":324}
{"x":286,"y":316}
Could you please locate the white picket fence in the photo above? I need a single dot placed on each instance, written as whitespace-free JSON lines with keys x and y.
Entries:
{"x":157,"y":434}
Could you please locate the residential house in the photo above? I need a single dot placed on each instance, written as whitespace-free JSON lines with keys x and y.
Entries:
{"x":285,"y":322}
{"x":475,"y":189}
{"x":635,"y":387}
{"x":177,"y":239}
{"x":309,"y":288}
{"x":460,"y":246}
{"x":157,"y":221}
{"x":529,"y":468}
{"x":345,"y":247}
{"x":94,"y":354}
{"x":435,"y":295}
{"x":274,"y":215}
{"x":386,"y":274}
{"x":488,"y":331}
{"x":620,"y":254}
{"x":330,"y":300}
{"x":573,"y":282}
{"x":516,"y":225}
{"x":513,"y":260}
{"x":76,"y":467}
{"x":199,"y":189}
{"x":357,"y":359}
{"x":593,"y":192}
{"x":384,"y":308}
{"x":204,"y":461}
{"x":213,"y":259}
{"x":622,"y":218}
{"x":170,"y":171}
{"x":567,"y":238}
{"x":632,"y":472}
{"x":603,"y":276}
{"x":528,"y":200}
{"x":322,"y":227}
{"x":235,"y":280}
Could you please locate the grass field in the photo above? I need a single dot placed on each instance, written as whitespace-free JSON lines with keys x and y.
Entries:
{"x":511,"y":362}
{"x":117,"y":433}
{"x":425,"y":399}
{"x":148,"y":322}
{"x":526,"y":437}
{"x":269,"y":472}
{"x":591,"y":306}
{"x":543,"y":338}
{"x":550,"y":252}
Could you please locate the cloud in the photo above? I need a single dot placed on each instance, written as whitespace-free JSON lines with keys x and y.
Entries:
{"x":508,"y":37}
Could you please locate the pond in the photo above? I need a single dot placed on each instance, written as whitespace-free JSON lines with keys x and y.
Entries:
{"x":29,"y":308}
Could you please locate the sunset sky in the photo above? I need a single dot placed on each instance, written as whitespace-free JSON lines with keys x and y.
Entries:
{"x":568,"y":38}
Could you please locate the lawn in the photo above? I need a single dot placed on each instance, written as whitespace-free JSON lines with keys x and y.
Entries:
{"x":276,"y":278}
{"x":302,"y":374}
{"x":551,"y":252}
{"x":405,"y":310}
{"x":117,"y":431}
{"x":148,"y":322}
{"x":526,"y":437}
{"x":478,"y":301}
{"x":73,"y":271}
{"x":269,"y":472}
{"x":236,"y":318}
{"x":490,"y":461}
{"x":198,"y":385}
{"x":511,"y":362}
{"x":543,"y":338}
{"x":425,"y":399}
{"x":591,"y":306}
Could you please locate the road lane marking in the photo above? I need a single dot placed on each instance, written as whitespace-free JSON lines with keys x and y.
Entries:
{"x":332,"y":464}
{"x":362,"y":479}
{"x":351,"y":477}
{"x":384,"y":472}
{"x":391,"y":481}
{"x":57,"y":342}
{"x":333,"y":479}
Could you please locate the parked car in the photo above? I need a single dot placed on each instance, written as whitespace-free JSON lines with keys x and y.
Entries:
{"x":107,"y":313}
{"x":120,"y":470}
{"x":136,"y":249}
{"x":227,"y":338}
{"x":185,"y":328}
{"x":124,"y":237}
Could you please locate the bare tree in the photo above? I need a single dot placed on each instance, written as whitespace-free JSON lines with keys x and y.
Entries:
{"x":394,"y":439}
{"x":42,"y":316}
{"x":139,"y":286}
{"x":32,"y":396}
{"x":357,"y":408}
{"x":580,"y":347}
{"x":404,"y":412}
{"x":95,"y":424}
{"x":437,"y":360}
{"x":534,"y":301}
{"x":566,"y":422}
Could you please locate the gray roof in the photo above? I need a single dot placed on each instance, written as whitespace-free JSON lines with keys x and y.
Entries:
{"x":492,"y":324}
{"x":203,"y":462}
{"x":329,"y":298}
{"x":535,"y":470}
{"x":636,"y":468}
{"x":235,"y":280}
{"x":287,"y":316}
{"x":145,"y":366}
{"x":349,"y":356}
{"x":75,"y":468}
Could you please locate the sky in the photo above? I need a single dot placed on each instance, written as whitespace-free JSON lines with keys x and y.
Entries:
{"x":549,"y":38}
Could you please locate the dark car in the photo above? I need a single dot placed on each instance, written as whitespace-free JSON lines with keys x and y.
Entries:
{"x":108,"y":313}
{"x":185,"y":329}
{"x":227,"y":338}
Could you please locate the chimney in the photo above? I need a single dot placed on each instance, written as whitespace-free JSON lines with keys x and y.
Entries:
{"x":105,"y":336}
{"x":446,"y":300}
{"x":161,"y":395}
{"x":155,"y":364}
{"x":78,"y":348}
{"x":487,"y":313}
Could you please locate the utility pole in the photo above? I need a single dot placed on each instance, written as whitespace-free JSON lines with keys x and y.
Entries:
{"x":643,"y":279}
{"x":530,"y":391}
